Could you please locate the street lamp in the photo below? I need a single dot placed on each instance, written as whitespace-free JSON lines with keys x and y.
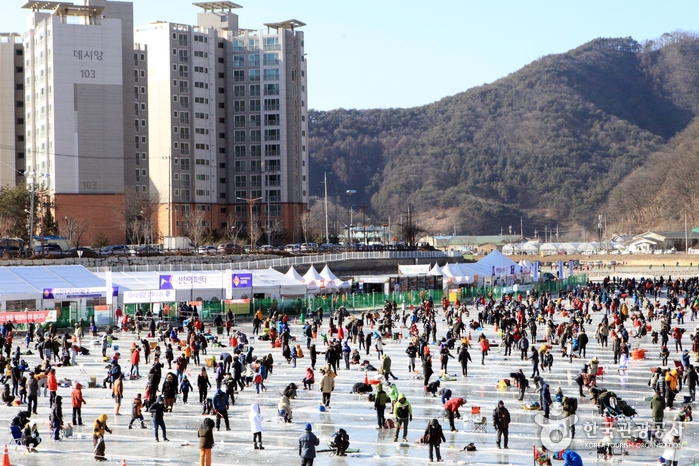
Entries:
{"x":349,"y":193}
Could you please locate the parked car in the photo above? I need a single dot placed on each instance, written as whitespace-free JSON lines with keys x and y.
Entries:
{"x":49,"y":249}
{"x":293,"y":248}
{"x":84,"y":252}
{"x":10,"y":251}
{"x":211,"y":250}
{"x":267,"y":248}
{"x":229,"y":248}
{"x":146,"y":251}
{"x":116,"y":250}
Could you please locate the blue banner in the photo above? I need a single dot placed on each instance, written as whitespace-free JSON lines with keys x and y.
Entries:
{"x":242,"y":280}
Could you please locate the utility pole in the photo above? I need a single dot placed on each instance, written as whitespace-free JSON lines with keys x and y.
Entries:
{"x":686,"y":243}
{"x":325,"y":185}
{"x":557,"y":233}
{"x":349,"y":193}
{"x":251,"y":203}
{"x":363,"y":208}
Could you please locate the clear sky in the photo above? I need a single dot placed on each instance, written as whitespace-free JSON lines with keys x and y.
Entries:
{"x":404,"y":53}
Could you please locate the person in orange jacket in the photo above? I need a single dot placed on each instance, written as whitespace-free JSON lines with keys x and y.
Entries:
{"x":52,"y":385}
{"x":78,"y":402}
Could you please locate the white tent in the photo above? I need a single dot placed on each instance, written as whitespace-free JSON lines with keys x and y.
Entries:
{"x":436,"y":270}
{"x":329,"y":276}
{"x":313,"y":277}
{"x":310,"y":287}
{"x":456,"y":274}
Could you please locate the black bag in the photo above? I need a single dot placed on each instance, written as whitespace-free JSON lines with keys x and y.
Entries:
{"x":470,"y":447}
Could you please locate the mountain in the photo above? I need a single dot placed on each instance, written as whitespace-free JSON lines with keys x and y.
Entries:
{"x":549,"y":143}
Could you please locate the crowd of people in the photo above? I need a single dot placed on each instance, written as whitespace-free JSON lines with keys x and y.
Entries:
{"x":628,"y":310}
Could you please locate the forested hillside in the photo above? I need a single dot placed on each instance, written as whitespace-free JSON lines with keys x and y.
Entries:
{"x":549,"y":142}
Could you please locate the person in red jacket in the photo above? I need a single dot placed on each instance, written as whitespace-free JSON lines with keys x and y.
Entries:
{"x":452,"y":407}
{"x":52,"y":385}
{"x":78,"y":402}
{"x":135,"y":359}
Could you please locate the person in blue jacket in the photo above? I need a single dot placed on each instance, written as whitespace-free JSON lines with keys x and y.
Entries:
{"x":569,"y":458}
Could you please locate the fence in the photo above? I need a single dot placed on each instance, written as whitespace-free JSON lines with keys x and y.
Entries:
{"x":352,"y":301}
{"x":281,"y":262}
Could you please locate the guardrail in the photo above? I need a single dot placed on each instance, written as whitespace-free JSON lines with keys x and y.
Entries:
{"x":277,"y":262}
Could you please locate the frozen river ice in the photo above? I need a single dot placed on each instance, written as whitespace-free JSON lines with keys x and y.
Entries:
{"x":349,"y":411}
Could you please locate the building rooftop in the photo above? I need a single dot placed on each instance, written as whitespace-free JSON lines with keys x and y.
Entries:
{"x":41,"y":5}
{"x":213,"y":6}
{"x":288,"y":24}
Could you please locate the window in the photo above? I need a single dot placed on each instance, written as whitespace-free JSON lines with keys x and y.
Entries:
{"x":201,"y":162}
{"x":255,"y":150}
{"x":254,"y":75}
{"x":240,"y":166}
{"x":275,"y":210}
{"x":255,"y":90}
{"x":238,"y":45}
{"x":272,"y":119}
{"x":184,"y":101}
{"x":255,"y":121}
{"x":184,"y":118}
{"x":271,"y":43}
{"x":239,"y":91}
{"x":272,"y":165}
{"x":255,"y":135}
{"x":239,"y":75}
{"x":185,"y":197}
{"x":270,"y":59}
{"x":271,"y":104}
{"x":254,"y":105}
{"x":201,"y":131}
{"x":201,"y":69}
{"x":184,"y":133}
{"x":201,"y":100}
{"x":200,"y":177}
{"x":239,"y":151}
{"x":183,"y":40}
{"x":239,"y":121}
{"x":271,"y":74}
{"x":239,"y":106}
{"x":255,"y":166}
{"x":240,"y":181}
{"x":271,"y":134}
{"x":271,"y":89}
{"x":183,"y":55}
{"x":184,"y":148}
{"x":201,"y":116}
{"x":274,"y":180}
{"x":184,"y":71}
{"x":272,"y":149}
{"x":254,"y":61}
{"x":200,"y":54}
{"x":239,"y":136}
{"x":201,"y":85}
{"x":184,"y":163}
{"x":201,"y":146}
{"x":253,"y":44}
{"x":184,"y":86}
{"x":238,"y":61}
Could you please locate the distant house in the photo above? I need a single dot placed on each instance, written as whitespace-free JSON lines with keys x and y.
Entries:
{"x":651,"y":241}
{"x":474,"y":244}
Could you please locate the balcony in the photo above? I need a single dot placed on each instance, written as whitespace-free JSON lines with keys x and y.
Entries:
{"x":270,"y":62}
{"x":272,"y":47}
{"x":272,"y":153}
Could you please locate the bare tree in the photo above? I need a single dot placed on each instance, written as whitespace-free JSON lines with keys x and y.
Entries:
{"x":305,"y":225}
{"x":136,"y":216}
{"x":196,"y":227}
{"x":232,"y":229}
{"x":7,"y":226}
{"x":74,"y":229}
{"x":255,"y":230}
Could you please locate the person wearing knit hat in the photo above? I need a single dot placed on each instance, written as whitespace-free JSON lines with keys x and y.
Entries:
{"x":307,"y":446}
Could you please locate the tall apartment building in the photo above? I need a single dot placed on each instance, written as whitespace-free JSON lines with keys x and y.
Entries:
{"x":228,"y":122}
{"x":11,"y":109}
{"x":80,"y":110}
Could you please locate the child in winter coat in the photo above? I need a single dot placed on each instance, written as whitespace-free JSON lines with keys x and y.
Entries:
{"x":185,"y":387}
{"x":309,"y":380}
{"x":256,"y":426}
{"x":77,"y":402}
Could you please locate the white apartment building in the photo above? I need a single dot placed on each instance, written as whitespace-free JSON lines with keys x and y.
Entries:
{"x":227,"y":122}
{"x":11,"y":109}
{"x":79,"y":109}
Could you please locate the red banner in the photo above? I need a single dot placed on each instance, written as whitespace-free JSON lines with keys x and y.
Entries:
{"x":24,"y":317}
